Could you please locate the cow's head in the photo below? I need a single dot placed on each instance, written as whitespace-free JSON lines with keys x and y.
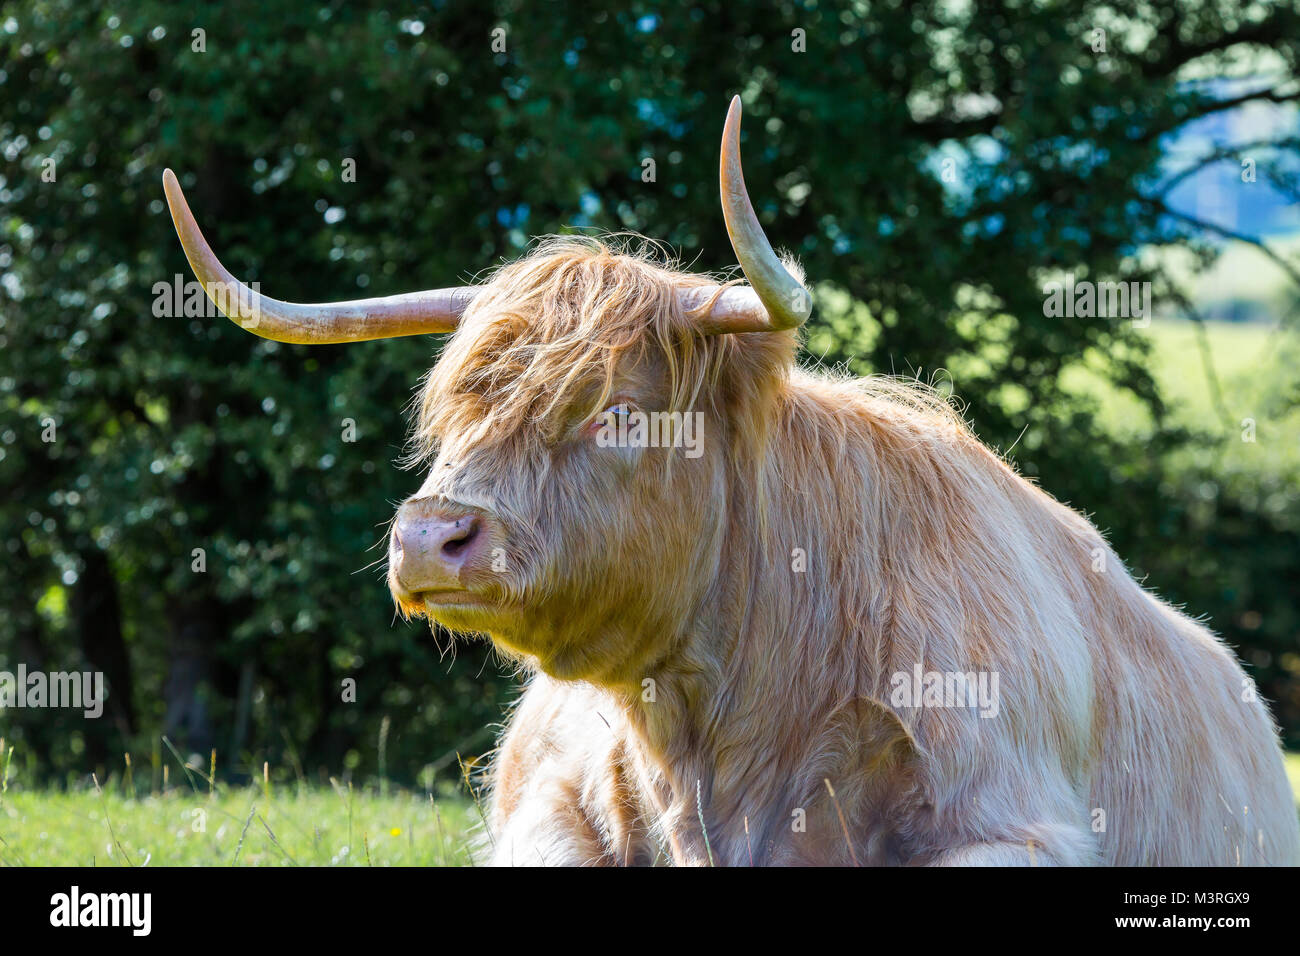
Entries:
{"x":553,"y":518}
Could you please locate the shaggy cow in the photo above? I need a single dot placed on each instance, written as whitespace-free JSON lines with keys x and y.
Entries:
{"x":843,"y":631}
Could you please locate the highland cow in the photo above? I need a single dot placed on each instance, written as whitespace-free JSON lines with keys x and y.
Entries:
{"x":845,"y":632}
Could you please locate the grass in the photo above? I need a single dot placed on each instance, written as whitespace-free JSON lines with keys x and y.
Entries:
{"x":1237,"y":351}
{"x":299,"y":826}
{"x":302,"y":826}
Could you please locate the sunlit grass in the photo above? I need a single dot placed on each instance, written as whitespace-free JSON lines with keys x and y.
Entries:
{"x":306,"y":826}
{"x":1293,"y":771}
{"x":299,"y":825}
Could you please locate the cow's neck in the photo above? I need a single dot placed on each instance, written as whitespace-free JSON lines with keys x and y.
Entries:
{"x":704,"y":714}
{"x":752,"y":674}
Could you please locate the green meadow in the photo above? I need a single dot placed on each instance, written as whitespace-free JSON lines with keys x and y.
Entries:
{"x":1229,"y":380}
{"x":249,"y":826}
{"x":1293,"y":771}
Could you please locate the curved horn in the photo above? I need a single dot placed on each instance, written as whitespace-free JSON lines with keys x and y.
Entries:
{"x":416,"y":313}
{"x":776,"y":300}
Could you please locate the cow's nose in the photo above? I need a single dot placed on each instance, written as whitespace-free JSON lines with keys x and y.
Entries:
{"x":429,"y":549}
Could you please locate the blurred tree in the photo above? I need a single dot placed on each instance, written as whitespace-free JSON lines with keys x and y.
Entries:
{"x":199,"y":525}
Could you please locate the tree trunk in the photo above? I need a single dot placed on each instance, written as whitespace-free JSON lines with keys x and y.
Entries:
{"x":98,"y":616}
{"x":195,"y":630}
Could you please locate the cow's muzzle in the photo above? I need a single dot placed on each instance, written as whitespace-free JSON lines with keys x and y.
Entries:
{"x":436,"y":547}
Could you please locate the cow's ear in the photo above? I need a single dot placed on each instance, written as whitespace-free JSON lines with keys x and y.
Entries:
{"x":754,"y":370}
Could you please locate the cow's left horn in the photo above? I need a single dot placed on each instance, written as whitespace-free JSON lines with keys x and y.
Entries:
{"x":775,"y":300}
{"x":417,"y":313}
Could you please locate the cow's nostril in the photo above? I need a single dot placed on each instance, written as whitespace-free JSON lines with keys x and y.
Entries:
{"x":460,"y":539}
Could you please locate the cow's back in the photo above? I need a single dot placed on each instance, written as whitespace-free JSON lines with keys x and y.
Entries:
{"x":1189,"y":771}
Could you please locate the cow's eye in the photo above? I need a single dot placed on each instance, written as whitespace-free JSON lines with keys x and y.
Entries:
{"x":611,"y":417}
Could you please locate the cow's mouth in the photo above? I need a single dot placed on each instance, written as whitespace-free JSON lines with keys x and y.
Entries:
{"x":460,"y":609}
{"x":458,"y":597}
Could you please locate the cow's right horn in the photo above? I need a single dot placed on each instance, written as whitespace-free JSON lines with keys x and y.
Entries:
{"x":417,"y":313}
